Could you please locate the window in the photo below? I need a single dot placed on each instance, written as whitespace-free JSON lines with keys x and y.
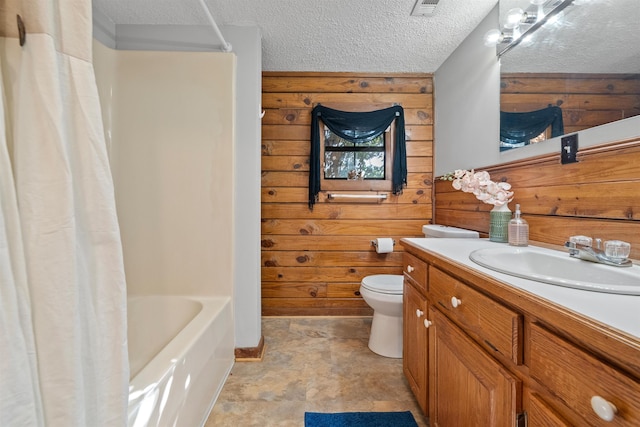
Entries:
{"x":349,"y":165}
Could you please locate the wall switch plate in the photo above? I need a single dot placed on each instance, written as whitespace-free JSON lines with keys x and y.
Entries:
{"x":569,"y":149}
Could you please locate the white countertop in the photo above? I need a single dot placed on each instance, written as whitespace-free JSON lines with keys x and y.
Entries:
{"x":621,"y":312}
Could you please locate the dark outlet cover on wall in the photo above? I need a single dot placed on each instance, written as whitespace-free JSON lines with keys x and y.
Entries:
{"x":569,"y":148}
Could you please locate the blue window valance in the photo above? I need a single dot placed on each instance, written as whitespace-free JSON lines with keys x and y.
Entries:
{"x":517,"y":129}
{"x":358,"y":127}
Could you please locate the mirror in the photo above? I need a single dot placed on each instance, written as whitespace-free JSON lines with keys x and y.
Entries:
{"x":587,"y":63}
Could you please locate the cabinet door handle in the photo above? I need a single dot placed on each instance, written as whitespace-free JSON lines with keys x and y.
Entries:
{"x":455,"y":302}
{"x":603,"y":408}
{"x":427,"y":323}
{"x":419,"y":313}
{"x":410,"y":269}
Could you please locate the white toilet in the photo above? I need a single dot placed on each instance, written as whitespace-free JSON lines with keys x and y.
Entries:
{"x":383,"y":293}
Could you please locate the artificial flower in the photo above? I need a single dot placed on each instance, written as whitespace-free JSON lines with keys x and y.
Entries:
{"x":480,"y":184}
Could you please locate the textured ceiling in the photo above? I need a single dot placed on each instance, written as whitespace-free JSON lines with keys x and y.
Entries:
{"x":381,"y":35}
{"x":326,"y":35}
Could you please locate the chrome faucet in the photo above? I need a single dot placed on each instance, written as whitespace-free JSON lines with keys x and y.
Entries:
{"x":580,"y":247}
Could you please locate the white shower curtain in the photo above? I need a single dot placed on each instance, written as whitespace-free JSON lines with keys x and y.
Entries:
{"x":63,"y":348}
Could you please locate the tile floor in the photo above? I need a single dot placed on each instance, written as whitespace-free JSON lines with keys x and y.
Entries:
{"x":319,"y":364}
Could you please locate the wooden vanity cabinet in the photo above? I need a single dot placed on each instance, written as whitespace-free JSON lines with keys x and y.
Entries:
{"x":496,"y":356}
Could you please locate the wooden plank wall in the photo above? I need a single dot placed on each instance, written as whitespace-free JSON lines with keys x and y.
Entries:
{"x":599,"y":196}
{"x":586,"y":100}
{"x":313,"y":261}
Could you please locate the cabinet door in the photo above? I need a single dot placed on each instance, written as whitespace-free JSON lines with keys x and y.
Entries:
{"x":414,"y":361}
{"x":467,"y":387}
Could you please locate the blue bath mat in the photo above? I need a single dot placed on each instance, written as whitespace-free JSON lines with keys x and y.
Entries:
{"x":360,"y":419}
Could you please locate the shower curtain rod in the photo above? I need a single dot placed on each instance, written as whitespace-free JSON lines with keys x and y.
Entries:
{"x":226,"y":47}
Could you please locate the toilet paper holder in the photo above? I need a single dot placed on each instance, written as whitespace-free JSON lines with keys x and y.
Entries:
{"x":375,"y":244}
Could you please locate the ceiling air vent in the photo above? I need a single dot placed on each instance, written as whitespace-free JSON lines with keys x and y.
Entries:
{"x":424,"y":7}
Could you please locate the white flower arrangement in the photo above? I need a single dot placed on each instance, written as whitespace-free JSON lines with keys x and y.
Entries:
{"x":480,"y":184}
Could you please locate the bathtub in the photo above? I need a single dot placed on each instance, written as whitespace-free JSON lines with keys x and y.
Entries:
{"x":180,"y":354}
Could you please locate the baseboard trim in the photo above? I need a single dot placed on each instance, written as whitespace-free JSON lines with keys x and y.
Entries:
{"x":251,"y":354}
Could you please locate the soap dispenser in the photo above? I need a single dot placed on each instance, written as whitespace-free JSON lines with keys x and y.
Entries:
{"x":518,"y":230}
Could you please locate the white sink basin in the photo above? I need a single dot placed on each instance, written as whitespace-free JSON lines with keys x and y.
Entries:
{"x":558,"y":268}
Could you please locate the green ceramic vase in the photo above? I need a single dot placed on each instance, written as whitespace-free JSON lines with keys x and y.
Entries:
{"x":499,"y":223}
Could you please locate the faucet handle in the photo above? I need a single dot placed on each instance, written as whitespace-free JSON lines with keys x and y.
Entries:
{"x":581,"y":240}
{"x":617,"y":249}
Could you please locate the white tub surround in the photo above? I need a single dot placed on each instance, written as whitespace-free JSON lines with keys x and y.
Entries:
{"x":246,"y":42}
{"x":181,"y":353}
{"x":170,"y":118}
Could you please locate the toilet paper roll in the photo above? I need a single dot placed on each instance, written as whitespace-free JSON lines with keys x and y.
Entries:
{"x":384,"y":245}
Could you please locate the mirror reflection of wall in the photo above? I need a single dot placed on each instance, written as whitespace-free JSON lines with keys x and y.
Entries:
{"x":587,"y":63}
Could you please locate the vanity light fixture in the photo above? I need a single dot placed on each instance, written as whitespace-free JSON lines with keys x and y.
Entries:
{"x":522,"y":23}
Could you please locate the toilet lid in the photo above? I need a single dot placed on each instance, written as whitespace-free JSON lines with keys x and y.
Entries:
{"x":384,"y":283}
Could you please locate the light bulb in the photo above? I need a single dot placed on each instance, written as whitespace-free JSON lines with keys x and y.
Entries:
{"x":514,"y":16}
{"x":492,"y":37}
{"x":537,"y":2}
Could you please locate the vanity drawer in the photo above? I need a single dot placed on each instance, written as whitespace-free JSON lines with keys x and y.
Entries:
{"x":575,"y":376}
{"x":416,"y":269}
{"x":493,"y":325}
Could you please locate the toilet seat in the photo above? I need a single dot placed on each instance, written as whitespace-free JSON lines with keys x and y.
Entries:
{"x":390,"y":284}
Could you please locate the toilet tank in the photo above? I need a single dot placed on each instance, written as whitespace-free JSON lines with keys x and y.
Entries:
{"x":435,"y":230}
